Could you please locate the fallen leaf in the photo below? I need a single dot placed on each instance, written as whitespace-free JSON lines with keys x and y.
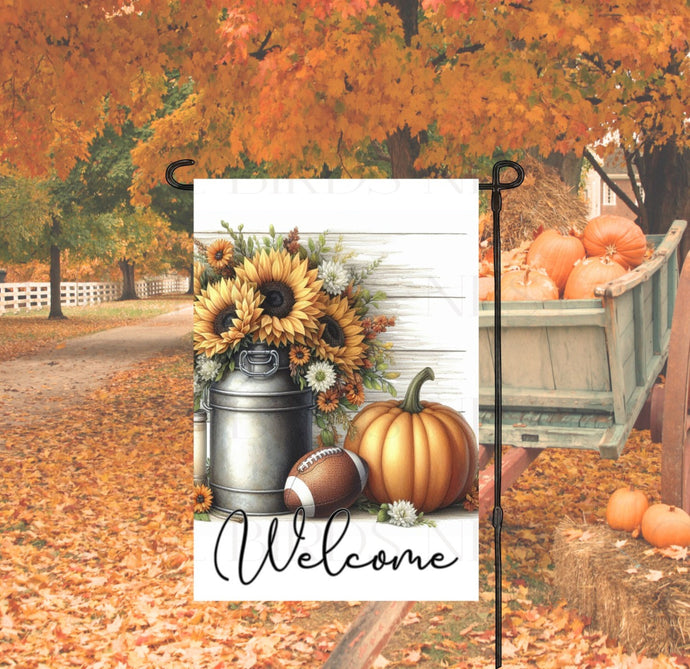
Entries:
{"x":674,"y":552}
{"x":654,"y":575}
{"x":411,"y":618}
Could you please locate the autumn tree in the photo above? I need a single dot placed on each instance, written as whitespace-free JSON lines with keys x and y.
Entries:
{"x":140,"y":239}
{"x":352,"y":88}
{"x":429,"y":87}
{"x":25,"y":218}
{"x":38,"y":219}
{"x":99,"y":187}
{"x":65,"y":78}
{"x":622,"y":67}
{"x":66,"y":74}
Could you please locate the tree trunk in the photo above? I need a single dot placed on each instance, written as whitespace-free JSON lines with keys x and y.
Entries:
{"x":408,"y":15}
{"x":129,"y":291}
{"x":55,"y":273}
{"x":402,"y":147}
{"x":403,"y":150}
{"x":665,"y":177}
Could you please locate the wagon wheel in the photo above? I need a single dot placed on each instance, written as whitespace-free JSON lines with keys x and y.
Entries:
{"x":675,"y":455}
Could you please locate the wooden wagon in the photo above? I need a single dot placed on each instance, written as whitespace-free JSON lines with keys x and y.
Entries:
{"x":578,"y":373}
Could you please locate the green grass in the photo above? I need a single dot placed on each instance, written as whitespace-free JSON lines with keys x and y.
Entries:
{"x":24,"y":332}
{"x":105,"y":311}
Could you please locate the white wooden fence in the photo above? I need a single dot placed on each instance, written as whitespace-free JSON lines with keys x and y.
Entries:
{"x":18,"y":296}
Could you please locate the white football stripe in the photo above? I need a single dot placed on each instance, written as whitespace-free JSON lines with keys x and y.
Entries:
{"x":302,"y":491}
{"x":359,"y":463}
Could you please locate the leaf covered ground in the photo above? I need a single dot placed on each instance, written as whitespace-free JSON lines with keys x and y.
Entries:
{"x":96,"y":553}
{"x":25,"y":332}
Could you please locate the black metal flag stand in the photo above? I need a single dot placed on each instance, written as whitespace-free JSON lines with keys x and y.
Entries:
{"x":496,"y":187}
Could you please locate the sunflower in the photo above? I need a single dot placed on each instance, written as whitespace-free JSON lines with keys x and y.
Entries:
{"x":328,"y":401}
{"x":292,"y":301}
{"x":219,"y":254}
{"x":340,"y":337}
{"x":299,"y":355}
{"x":203,"y":498}
{"x":225,"y":313}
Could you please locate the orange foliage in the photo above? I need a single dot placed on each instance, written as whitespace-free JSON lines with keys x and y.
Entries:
{"x":307,"y":84}
{"x":61,"y":60}
{"x":305,"y":87}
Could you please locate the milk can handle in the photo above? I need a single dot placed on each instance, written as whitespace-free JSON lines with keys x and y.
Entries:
{"x":259,"y":358}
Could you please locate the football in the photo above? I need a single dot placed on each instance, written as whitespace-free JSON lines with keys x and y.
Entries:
{"x":325,"y":480}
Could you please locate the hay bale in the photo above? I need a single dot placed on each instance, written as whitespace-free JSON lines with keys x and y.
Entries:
{"x":542,"y":201}
{"x":628,"y":590}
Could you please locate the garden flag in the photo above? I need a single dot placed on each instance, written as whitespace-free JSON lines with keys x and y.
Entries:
{"x":335,"y":389}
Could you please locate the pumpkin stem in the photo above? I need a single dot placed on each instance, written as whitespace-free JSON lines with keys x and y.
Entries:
{"x":411,"y":403}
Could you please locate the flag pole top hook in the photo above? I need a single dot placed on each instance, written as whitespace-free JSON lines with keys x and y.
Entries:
{"x":170,"y":171}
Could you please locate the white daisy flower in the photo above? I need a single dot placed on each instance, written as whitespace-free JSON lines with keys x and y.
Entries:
{"x":402,"y":513}
{"x":335,"y":277}
{"x":207,"y":368}
{"x":320,"y":376}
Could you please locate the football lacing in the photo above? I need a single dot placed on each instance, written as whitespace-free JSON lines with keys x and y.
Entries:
{"x":315,"y":457}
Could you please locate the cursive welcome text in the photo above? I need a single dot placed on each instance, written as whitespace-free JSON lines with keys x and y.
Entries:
{"x":332,"y":537}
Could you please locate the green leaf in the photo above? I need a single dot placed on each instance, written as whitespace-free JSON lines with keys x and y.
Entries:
{"x":327,"y":438}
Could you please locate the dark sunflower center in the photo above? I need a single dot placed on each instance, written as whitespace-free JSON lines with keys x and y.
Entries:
{"x":333,"y":334}
{"x":278,"y":299}
{"x":219,"y":254}
{"x":223,"y":320}
{"x":200,"y":498}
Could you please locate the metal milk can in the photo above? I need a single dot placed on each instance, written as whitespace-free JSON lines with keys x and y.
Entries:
{"x":260,"y":424}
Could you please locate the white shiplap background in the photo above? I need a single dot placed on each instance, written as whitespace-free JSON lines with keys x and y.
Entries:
{"x":426,"y":232}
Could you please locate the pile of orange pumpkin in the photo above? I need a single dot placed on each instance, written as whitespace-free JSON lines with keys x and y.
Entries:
{"x":570,"y":264}
{"x":661,"y":525}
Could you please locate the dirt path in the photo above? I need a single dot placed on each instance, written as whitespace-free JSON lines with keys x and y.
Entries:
{"x":58,"y":377}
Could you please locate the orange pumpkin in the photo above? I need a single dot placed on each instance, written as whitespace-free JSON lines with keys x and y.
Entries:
{"x":556,"y":253}
{"x":527,"y":284}
{"x":589,"y":273}
{"x":423,"y":452}
{"x":625,"y":509}
{"x":615,"y":236}
{"x":486,"y":288}
{"x":664,"y":525}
